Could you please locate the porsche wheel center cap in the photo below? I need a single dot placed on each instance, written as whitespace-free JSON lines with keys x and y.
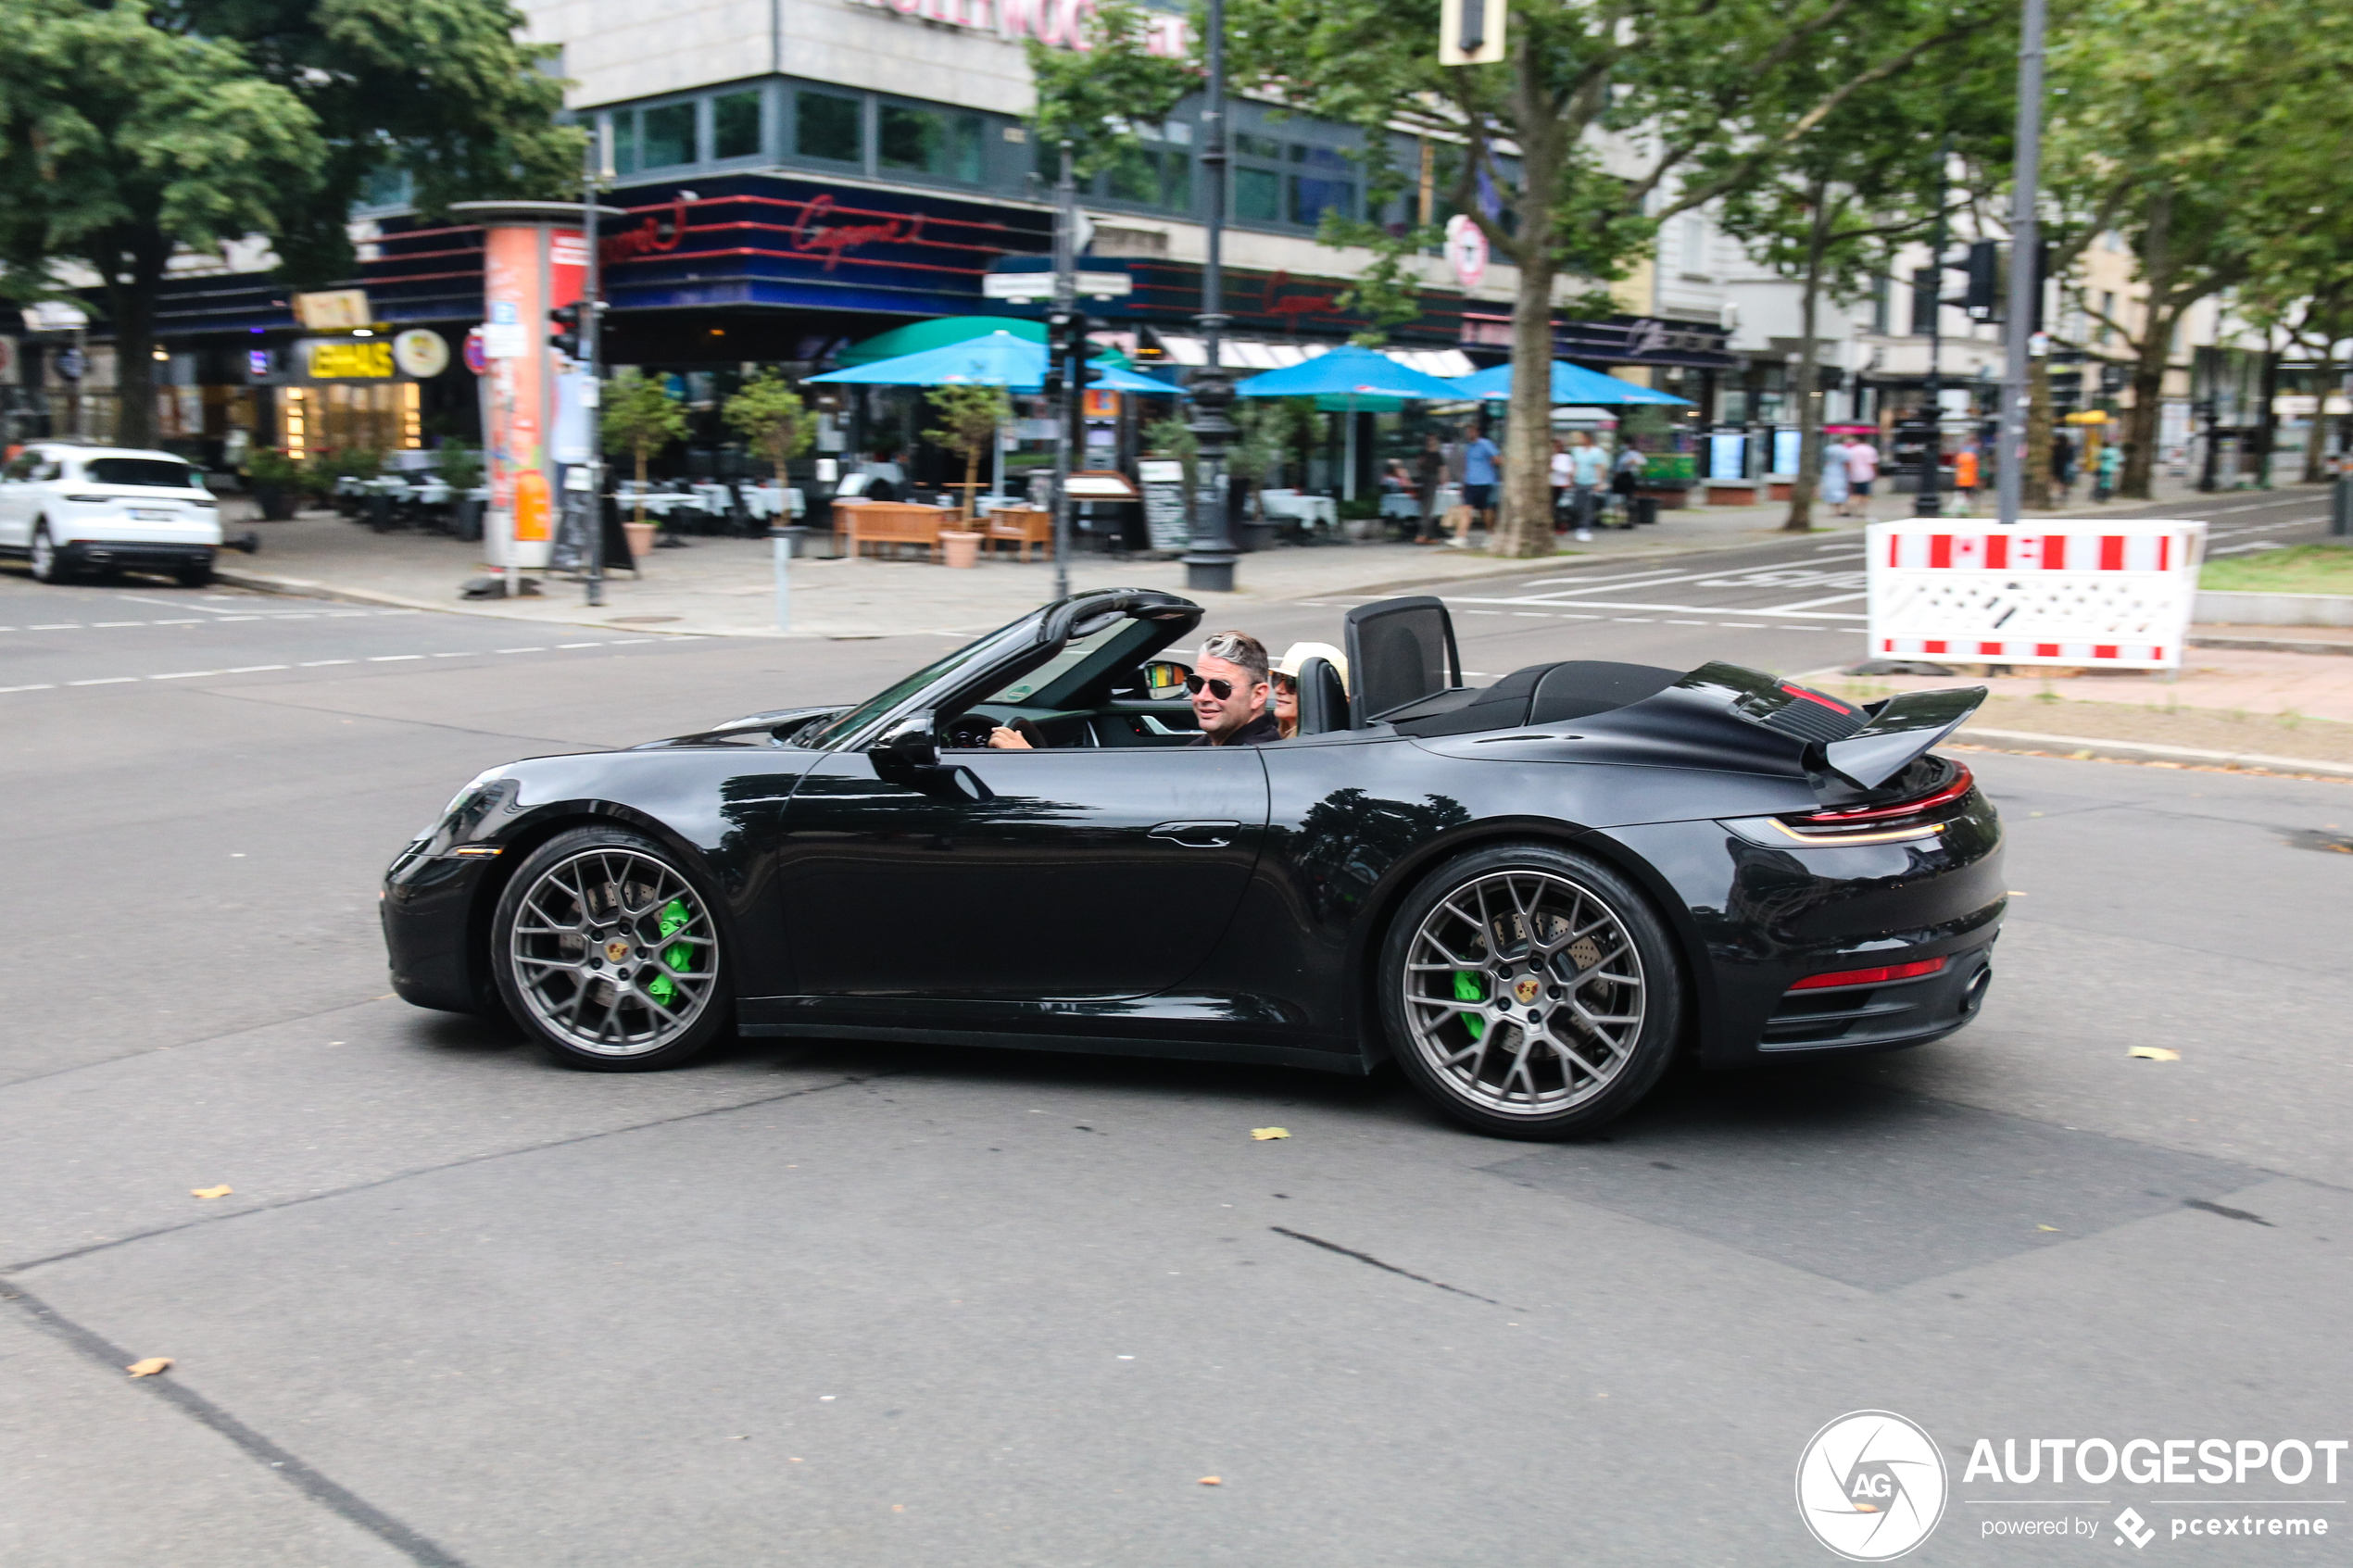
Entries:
{"x":1528,"y":990}
{"x":616,"y":951}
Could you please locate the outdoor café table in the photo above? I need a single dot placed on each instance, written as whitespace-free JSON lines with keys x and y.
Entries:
{"x":1028,"y":528}
{"x":767,"y":501}
{"x":891,"y":523}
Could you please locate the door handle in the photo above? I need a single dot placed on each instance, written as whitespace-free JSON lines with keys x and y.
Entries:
{"x":1197,"y":835}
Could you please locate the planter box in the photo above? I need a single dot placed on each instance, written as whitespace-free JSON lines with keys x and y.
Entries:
{"x":1732,"y":492}
{"x":1777,"y":487}
{"x":2274,"y":610}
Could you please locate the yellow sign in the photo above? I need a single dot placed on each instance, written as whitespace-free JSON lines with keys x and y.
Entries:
{"x":357,"y":359}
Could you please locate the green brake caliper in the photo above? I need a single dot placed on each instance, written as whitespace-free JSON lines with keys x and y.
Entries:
{"x":678,"y":955}
{"x":1468,"y":989}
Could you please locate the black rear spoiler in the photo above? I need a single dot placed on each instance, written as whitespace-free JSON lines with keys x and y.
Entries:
{"x":1902,"y":729}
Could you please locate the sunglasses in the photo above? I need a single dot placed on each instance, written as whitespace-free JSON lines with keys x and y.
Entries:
{"x":1222,"y":690}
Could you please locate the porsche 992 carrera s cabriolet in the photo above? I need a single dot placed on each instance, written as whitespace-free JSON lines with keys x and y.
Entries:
{"x":1532,"y":895}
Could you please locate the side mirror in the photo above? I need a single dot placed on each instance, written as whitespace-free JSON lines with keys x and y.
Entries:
{"x":1163,"y":679}
{"x":906,"y":746}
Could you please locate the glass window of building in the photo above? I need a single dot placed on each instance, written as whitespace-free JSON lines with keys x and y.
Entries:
{"x":826,"y":125}
{"x":935,"y":142}
{"x":666,"y":136}
{"x":735,"y":125}
{"x":1323,"y":179}
{"x":625,"y":141}
{"x":1157,"y":173}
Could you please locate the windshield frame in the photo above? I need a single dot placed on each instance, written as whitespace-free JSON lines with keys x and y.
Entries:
{"x":846,"y":732}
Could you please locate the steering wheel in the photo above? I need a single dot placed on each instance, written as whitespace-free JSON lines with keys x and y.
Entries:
{"x":969,"y":731}
{"x":1026,"y":730}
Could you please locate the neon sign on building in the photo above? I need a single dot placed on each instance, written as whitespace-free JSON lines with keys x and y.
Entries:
{"x":1061,"y":23}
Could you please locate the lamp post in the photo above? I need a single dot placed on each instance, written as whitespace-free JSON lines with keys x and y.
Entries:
{"x":1062,"y":372}
{"x":2025,"y":277}
{"x":1209,"y":564}
{"x":598,"y":167}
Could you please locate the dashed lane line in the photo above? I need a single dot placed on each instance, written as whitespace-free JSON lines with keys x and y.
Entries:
{"x":314,"y":664}
{"x":391,"y":658}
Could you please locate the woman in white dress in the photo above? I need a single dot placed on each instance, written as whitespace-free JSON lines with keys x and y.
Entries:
{"x":1833,"y":491}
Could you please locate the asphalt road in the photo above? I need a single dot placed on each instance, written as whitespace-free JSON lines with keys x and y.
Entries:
{"x":878,"y":1305}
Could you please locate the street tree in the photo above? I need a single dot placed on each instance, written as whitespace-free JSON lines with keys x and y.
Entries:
{"x":1568,"y":154}
{"x":773,"y":420}
{"x":121,"y":143}
{"x":637,"y":418}
{"x":2209,"y":134}
{"x":971,"y":417}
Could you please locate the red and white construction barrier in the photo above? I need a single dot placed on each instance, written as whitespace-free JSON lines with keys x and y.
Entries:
{"x":2116,"y":594}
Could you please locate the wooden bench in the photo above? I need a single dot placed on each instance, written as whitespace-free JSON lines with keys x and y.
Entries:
{"x":890,"y":522}
{"x":1026,"y":528}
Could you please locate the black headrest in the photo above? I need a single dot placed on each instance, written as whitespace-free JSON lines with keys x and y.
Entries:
{"x":1323,"y":701}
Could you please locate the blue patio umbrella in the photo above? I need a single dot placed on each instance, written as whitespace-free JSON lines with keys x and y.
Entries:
{"x":1571,"y":383}
{"x":999,"y":359}
{"x":1348,"y":372}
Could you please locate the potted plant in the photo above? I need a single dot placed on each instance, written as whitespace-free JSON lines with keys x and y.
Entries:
{"x":970,"y":420}
{"x":773,"y":423}
{"x":639,"y":418}
{"x":277,"y":480}
{"x":460,"y":469}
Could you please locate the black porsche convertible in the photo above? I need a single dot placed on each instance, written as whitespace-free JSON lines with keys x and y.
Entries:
{"x":1532,"y":895}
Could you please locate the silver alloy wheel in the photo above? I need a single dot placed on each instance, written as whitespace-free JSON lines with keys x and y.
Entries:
{"x":1524,"y":993}
{"x":613,"y":952}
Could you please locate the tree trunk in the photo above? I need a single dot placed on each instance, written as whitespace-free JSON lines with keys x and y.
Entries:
{"x":1809,"y":390}
{"x":2036,"y":490}
{"x":2267,"y":423}
{"x":1524,"y":526}
{"x":140,"y":254}
{"x":2316,"y":434}
{"x":2148,"y":397}
{"x":971,"y":480}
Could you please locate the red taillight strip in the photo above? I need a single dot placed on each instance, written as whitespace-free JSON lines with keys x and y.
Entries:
{"x":1960,"y":785}
{"x":1831,"y":703}
{"x":1879,"y":976}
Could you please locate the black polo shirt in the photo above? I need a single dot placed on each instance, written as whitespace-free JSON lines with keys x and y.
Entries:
{"x":1258,"y":732}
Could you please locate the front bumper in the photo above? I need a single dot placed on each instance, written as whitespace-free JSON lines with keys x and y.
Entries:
{"x":429,"y":912}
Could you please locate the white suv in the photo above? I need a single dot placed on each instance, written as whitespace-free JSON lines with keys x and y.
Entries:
{"x":74,"y":509}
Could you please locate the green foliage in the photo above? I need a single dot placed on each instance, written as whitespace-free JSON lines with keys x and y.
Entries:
{"x":459,"y":466}
{"x":121,"y":140}
{"x":2299,"y":569}
{"x":971,"y":417}
{"x":1270,"y":428}
{"x":638,"y":417}
{"x":268,"y":466}
{"x":1094,"y":99}
{"x":769,"y":416}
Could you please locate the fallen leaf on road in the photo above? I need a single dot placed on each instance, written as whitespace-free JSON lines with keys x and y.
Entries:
{"x":2082,"y":756}
{"x":2154,"y":1053}
{"x":2052,"y":1228}
{"x":1210,"y":1481}
{"x":1263,"y":1134}
{"x":149,"y":1367}
{"x":210,"y":1192}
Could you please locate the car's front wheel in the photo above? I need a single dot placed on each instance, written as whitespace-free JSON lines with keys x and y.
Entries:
{"x":48,"y":561}
{"x":1531,"y":992}
{"x":608,"y":954}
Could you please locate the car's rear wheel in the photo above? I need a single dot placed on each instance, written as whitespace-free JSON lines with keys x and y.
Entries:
{"x":48,"y":561}
{"x":608,"y":954}
{"x":1531,"y":992}
{"x":195,"y":575}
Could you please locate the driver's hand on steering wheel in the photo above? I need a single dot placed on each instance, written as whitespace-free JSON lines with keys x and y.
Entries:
{"x":1004,"y":739}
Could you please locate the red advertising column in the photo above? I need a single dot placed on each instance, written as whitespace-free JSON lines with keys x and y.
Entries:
{"x":535,"y":258}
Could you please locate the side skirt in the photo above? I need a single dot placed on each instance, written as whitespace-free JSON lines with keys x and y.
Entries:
{"x":1346,"y":1063}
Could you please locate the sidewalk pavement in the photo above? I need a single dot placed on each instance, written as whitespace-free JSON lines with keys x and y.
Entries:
{"x":726,"y":587}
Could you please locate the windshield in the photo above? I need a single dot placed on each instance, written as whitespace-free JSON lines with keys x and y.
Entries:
{"x":874,"y":707}
{"x":1074,"y":653}
{"x":143,"y":473}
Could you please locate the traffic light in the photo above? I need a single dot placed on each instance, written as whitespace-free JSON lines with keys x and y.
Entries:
{"x":1068,"y":352}
{"x":566,"y":338}
{"x":1984,"y":294}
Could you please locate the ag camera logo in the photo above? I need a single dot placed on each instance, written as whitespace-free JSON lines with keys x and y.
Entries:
{"x":1871,"y":1486}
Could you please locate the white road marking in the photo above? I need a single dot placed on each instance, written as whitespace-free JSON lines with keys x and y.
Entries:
{"x":469,"y":654}
{"x":1806,"y":604}
{"x":391,"y":658}
{"x":226,"y":618}
{"x":252,"y":669}
{"x":580,"y":645}
{"x":191,"y":620}
{"x":186,"y":674}
{"x":103,"y":680}
{"x":118,"y":623}
{"x":315,"y":663}
{"x":57,"y":626}
{"x":39,"y":688}
{"x":522,"y":650}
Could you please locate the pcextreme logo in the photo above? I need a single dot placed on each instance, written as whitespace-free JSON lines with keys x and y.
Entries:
{"x":1870,"y":1486}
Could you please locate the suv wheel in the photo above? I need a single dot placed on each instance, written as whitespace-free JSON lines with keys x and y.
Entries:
{"x":48,"y":561}
{"x":195,"y":575}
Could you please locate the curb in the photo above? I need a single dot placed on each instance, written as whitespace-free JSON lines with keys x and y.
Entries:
{"x":2137,"y":751}
{"x":2276,"y":645}
{"x":302,"y":588}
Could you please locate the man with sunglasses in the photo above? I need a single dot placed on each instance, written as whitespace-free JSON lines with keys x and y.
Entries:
{"x":1229,"y":688}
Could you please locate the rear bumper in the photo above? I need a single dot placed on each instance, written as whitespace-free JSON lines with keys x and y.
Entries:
{"x":135,"y":552}
{"x":1888,"y":1017}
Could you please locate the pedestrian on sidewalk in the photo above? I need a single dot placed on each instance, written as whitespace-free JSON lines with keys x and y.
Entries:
{"x":1862,"y":472}
{"x":1563,"y":475}
{"x":1429,"y":473}
{"x":2062,"y":464}
{"x":1590,"y":465}
{"x":2111,"y":468}
{"x":1626,"y":477}
{"x":1479,"y":460}
{"x":1965,"y":480}
{"x":1834,"y":491}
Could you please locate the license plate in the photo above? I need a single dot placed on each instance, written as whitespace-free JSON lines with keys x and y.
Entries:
{"x":154,"y":514}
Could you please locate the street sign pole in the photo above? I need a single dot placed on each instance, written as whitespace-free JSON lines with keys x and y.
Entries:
{"x":1926,"y":502}
{"x":1209,"y":564}
{"x":1065,"y":302}
{"x":2025,"y":277}
{"x":596,"y":161}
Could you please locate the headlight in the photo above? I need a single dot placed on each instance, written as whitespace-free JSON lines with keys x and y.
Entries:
{"x":463,"y":798}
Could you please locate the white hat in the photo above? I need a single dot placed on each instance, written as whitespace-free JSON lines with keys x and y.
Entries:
{"x":1296,"y":655}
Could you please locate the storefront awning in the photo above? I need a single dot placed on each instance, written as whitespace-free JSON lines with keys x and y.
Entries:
{"x":1261,"y":354}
